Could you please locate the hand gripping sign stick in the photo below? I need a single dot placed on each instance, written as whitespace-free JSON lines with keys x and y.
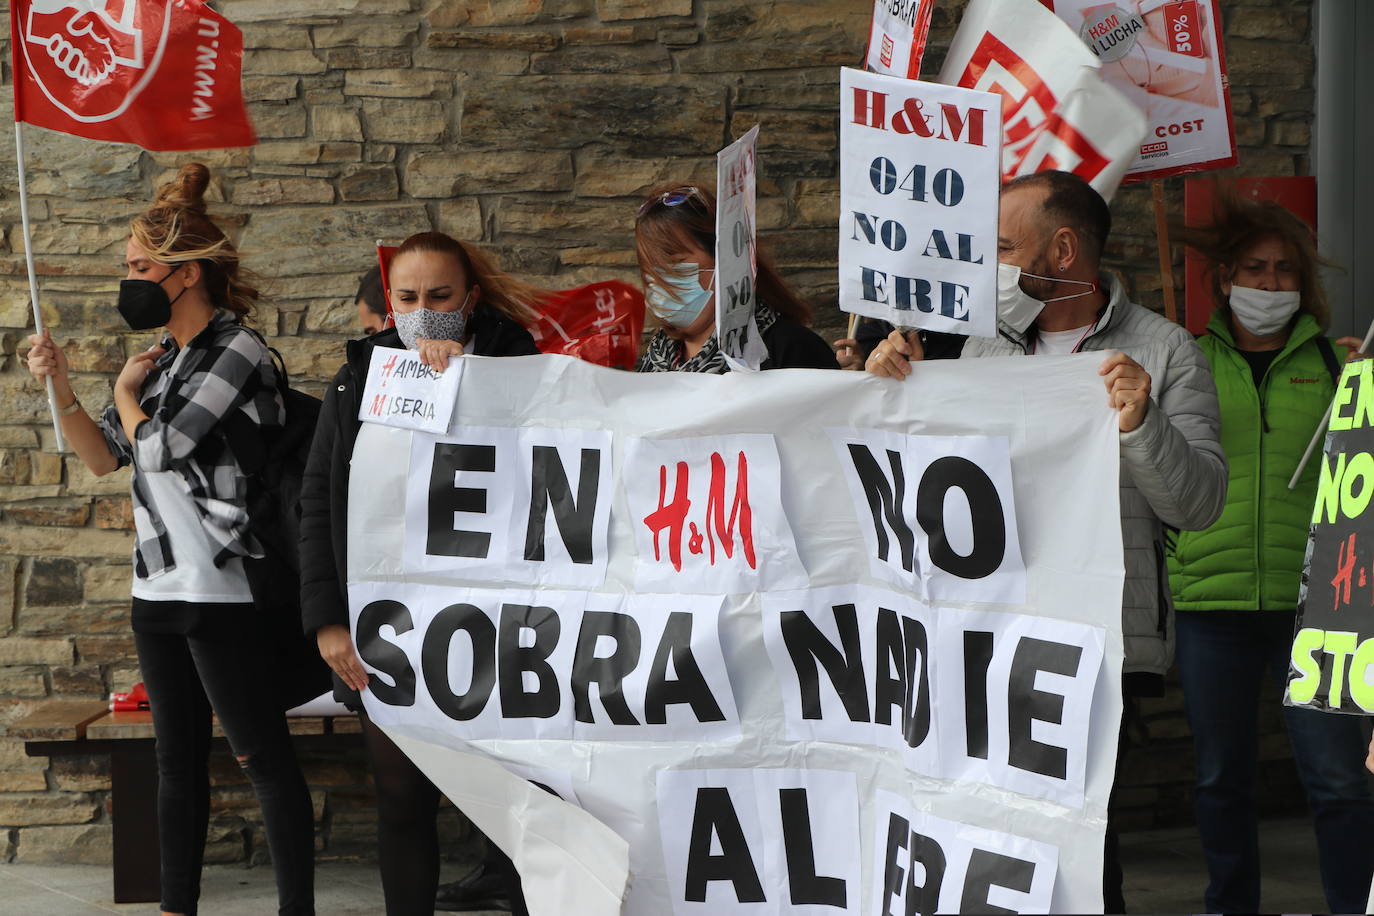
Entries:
{"x":1326,"y":418}
{"x":33,"y":279}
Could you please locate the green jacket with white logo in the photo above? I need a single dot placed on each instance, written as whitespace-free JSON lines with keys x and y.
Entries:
{"x":1251,"y":558}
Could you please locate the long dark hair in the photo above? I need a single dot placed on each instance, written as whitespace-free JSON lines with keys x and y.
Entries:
{"x":659,"y":228}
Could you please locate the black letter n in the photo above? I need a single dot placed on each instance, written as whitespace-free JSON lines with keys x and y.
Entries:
{"x":549,"y":485}
{"x":885,"y":501}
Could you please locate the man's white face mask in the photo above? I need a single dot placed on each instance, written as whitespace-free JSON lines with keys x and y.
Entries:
{"x":1017,"y":308}
{"x":1263,"y":312}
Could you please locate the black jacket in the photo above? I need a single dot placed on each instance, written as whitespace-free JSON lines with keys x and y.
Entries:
{"x":794,"y":346}
{"x":324,"y":491}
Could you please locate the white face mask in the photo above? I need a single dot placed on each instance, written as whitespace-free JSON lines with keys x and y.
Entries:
{"x":1263,"y":312}
{"x":1018,"y":309}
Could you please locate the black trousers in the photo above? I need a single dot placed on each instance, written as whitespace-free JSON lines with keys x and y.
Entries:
{"x":407,"y":836}
{"x":187,"y":677}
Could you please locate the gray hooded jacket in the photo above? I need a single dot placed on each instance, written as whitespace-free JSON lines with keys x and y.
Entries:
{"x":1173,"y":471}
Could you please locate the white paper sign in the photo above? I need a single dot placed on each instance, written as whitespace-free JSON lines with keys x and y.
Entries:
{"x":736,"y":267}
{"x":403,"y":392}
{"x":1058,"y":111}
{"x":720,"y":737}
{"x":897,"y":36}
{"x":919,"y":179}
{"x":942,"y":513}
{"x":708,"y":516}
{"x":934,"y":865}
{"x":761,"y":841}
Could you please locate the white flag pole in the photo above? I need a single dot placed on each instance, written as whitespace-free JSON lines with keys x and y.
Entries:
{"x":33,"y":279}
{"x":1326,"y":418}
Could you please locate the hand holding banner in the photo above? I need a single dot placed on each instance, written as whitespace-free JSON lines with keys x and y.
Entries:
{"x":845,"y":671}
{"x":919,"y":179}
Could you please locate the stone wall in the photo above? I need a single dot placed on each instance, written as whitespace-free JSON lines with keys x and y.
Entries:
{"x":527,"y":125}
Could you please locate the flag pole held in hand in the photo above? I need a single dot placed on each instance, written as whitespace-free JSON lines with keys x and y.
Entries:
{"x":33,"y":278}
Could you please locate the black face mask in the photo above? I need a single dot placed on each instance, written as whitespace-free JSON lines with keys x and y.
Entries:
{"x":144,"y":304}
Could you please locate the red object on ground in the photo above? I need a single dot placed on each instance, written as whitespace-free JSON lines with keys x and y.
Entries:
{"x":1298,"y":195}
{"x":135,"y":699}
{"x":162,"y":74}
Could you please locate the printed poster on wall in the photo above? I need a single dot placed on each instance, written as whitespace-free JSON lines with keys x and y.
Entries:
{"x":1333,"y":646}
{"x":794,"y":641}
{"x":919,"y":180}
{"x":1167,"y":56}
{"x":897,"y":37}
{"x":1058,"y":111}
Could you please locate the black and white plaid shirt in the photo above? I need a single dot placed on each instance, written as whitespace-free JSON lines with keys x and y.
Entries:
{"x":225,"y":367}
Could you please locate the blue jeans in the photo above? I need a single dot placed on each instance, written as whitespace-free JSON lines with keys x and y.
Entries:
{"x":1228,"y":661}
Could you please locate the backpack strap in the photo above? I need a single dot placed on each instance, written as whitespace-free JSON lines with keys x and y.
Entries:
{"x":1333,"y":365}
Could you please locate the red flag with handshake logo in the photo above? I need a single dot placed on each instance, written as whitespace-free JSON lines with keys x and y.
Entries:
{"x":163,"y":74}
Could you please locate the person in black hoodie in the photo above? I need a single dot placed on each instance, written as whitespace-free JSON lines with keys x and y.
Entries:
{"x":447,"y":298}
{"x":675,"y":239}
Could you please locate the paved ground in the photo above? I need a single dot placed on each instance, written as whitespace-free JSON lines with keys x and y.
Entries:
{"x":1164,"y":874}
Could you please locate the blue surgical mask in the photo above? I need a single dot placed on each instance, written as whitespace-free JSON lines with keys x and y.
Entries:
{"x":682,"y":303}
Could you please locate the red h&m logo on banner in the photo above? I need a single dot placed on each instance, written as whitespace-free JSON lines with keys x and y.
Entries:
{"x":1035,"y":135}
{"x":163,"y":74}
{"x":671,"y":515}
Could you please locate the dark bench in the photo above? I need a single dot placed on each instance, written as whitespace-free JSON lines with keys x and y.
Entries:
{"x":61,"y":728}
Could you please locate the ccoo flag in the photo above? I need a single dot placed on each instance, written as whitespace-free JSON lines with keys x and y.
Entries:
{"x":163,"y":74}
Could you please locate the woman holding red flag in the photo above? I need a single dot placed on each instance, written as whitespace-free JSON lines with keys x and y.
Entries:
{"x":202,"y":644}
{"x":447,"y":298}
{"x":675,"y":239}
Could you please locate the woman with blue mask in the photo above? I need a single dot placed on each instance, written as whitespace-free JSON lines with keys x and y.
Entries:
{"x":447,"y":298}
{"x":1235,"y":584}
{"x":675,"y":241}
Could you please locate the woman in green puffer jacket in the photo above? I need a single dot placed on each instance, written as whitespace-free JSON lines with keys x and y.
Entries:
{"x":1235,"y":584}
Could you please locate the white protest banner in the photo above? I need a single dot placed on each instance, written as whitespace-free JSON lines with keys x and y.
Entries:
{"x":808,"y":733}
{"x":1167,"y":57}
{"x":919,"y":179}
{"x":736,"y":267}
{"x":897,"y":36}
{"x":1058,"y":111}
{"x":403,"y":392}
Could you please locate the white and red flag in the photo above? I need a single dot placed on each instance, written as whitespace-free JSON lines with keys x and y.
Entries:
{"x":162,"y":74}
{"x":1057,"y":111}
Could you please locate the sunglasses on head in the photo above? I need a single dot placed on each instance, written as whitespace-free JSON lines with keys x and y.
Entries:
{"x":673,"y":198}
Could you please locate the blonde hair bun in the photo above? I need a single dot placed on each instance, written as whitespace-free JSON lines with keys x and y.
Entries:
{"x":186,"y":191}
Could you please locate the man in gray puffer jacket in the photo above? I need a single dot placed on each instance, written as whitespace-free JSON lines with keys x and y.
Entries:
{"x":1052,"y":229}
